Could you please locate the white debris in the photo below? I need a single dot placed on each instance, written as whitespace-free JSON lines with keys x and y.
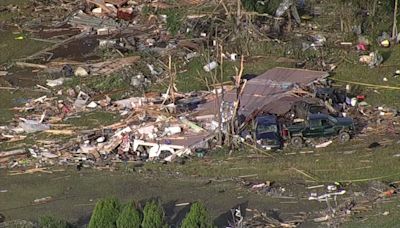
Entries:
{"x":56,"y":82}
{"x":81,"y":72}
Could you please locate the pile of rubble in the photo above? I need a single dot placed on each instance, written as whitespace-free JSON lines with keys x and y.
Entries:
{"x":157,"y":127}
{"x":149,"y":130}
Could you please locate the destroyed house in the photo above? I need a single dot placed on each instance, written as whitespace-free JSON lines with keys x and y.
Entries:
{"x":273,"y":91}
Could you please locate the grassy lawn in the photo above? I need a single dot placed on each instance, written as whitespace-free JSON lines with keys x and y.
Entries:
{"x":10,"y":99}
{"x":11,"y":49}
{"x":96,"y":119}
{"x":384,"y":215}
{"x":349,"y":163}
{"x":361,"y":73}
{"x":74,"y":194}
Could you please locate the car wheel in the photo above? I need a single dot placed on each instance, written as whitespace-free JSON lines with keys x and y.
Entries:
{"x":297,"y":142}
{"x":344,"y":137}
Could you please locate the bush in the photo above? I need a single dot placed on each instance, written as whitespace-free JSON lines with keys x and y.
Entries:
{"x":51,"y":222}
{"x":129,"y":217}
{"x":105,"y":214}
{"x":154,"y":216}
{"x":197,"y":217}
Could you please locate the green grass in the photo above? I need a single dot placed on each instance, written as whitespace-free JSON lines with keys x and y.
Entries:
{"x":323,"y":165}
{"x":9,"y":100}
{"x":192,"y":76}
{"x":362,"y":73}
{"x":5,"y":107}
{"x":376,"y":217}
{"x":94,"y":119}
{"x":11,"y":49}
{"x":74,"y":193}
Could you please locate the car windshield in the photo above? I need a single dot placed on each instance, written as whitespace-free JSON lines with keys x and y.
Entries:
{"x":266,"y":128}
{"x":332,"y":119}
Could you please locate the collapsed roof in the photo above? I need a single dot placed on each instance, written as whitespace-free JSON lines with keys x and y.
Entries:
{"x":273,"y":91}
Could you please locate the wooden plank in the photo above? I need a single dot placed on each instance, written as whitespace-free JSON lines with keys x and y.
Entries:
{"x":12,"y":153}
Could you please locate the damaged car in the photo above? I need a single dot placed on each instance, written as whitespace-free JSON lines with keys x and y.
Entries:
{"x":267,"y":132}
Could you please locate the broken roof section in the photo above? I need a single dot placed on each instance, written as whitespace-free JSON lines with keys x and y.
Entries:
{"x":291,"y":75}
{"x":273,"y":91}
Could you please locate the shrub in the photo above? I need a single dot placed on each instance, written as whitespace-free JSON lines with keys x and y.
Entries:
{"x":153,"y":216}
{"x":51,"y":222}
{"x":197,"y":217}
{"x":129,"y":217}
{"x":174,"y":21}
{"x":105,"y":214}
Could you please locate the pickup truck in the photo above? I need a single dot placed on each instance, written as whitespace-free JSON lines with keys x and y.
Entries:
{"x":320,"y":125}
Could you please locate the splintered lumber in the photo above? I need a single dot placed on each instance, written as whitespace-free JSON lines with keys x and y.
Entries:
{"x":32,"y":65}
{"x":12,"y":153}
{"x":30,"y":171}
{"x":43,"y":200}
{"x":110,"y":66}
{"x":60,"y":132}
{"x":103,"y":6}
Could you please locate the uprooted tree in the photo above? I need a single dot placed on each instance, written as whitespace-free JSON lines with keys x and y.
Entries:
{"x":197,"y":217}
{"x":105,"y":214}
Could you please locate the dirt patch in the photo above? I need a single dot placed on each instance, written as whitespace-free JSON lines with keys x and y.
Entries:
{"x":79,"y":50}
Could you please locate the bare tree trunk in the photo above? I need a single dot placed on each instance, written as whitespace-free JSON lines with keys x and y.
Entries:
{"x":341,"y":24}
{"x":236,"y":103}
{"x":172,"y":76}
{"x":218,"y":98}
{"x":374,"y":8}
{"x":289,"y":21}
{"x":394,"y":31}
{"x":239,"y":13}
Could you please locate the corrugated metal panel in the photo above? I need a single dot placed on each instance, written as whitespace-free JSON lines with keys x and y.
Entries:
{"x":297,"y":76}
{"x":270,"y":91}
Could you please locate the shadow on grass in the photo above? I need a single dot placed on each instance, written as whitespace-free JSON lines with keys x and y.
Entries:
{"x":386,"y":54}
{"x":226,"y":219}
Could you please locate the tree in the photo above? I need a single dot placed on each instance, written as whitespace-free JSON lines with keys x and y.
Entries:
{"x":105,"y":214}
{"x":153,"y":216}
{"x":129,"y":217}
{"x":197,"y":217}
{"x":51,"y":222}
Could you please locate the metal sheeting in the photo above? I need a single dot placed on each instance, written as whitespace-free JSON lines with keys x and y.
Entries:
{"x":297,"y":76}
{"x":271,"y":91}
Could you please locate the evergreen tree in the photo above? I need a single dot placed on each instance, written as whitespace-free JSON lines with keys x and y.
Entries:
{"x":153,"y":216}
{"x":197,"y":217}
{"x":51,"y":222}
{"x":105,"y":214}
{"x":129,"y":217}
